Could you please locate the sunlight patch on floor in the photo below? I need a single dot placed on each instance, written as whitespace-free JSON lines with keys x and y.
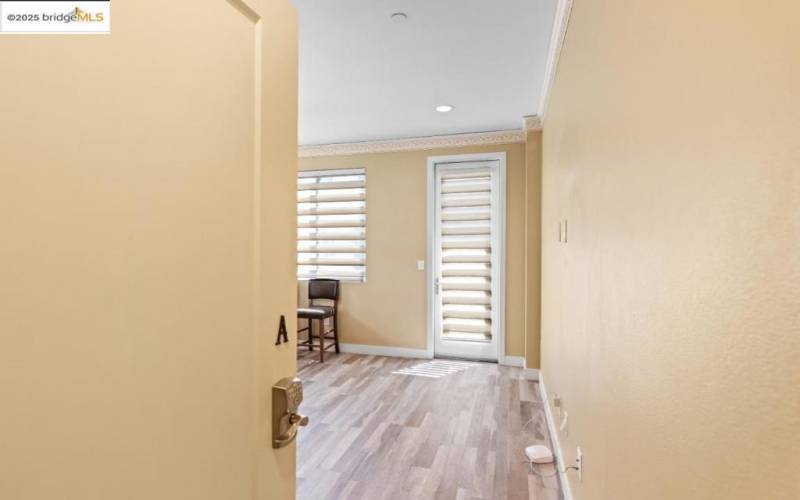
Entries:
{"x":435,"y":369}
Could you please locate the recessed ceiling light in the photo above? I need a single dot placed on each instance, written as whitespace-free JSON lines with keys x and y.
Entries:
{"x":444,"y":108}
{"x":399,"y":17}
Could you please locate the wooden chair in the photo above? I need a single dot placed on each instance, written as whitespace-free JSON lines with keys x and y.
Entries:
{"x":320,"y":290}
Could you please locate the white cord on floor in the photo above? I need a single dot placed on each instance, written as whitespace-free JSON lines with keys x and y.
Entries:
{"x":534,"y":471}
{"x":554,"y":463}
{"x":527,"y":423}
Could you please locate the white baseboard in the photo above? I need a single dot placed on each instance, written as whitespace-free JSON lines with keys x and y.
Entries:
{"x":407,"y":352}
{"x":512,"y":361}
{"x":565,"y":488}
{"x":531,"y":374}
{"x":379,"y":350}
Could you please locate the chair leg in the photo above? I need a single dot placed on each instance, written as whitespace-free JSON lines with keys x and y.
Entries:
{"x":310,"y":334}
{"x":335,"y":333}
{"x":322,"y":341}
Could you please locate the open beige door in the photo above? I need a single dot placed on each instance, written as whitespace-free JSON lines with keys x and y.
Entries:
{"x":147,"y":215}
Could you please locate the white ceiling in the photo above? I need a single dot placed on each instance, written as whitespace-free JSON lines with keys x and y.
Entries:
{"x":364,"y":77}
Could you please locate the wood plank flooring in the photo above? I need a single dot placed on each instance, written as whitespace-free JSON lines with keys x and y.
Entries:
{"x":376,"y":434}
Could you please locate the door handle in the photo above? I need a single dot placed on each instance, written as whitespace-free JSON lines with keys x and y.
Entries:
{"x":295,"y":422}
{"x":287,"y":395}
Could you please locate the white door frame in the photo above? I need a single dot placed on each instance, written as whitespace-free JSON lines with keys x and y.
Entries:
{"x":498,"y":239}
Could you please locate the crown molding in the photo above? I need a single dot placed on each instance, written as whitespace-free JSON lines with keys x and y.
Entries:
{"x":413,"y":144}
{"x":560,"y":23}
{"x":531,"y":123}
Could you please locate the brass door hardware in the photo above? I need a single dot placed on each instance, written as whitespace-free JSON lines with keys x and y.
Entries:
{"x":287,"y":395}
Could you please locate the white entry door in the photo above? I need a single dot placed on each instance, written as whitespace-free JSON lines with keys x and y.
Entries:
{"x":467,"y":208}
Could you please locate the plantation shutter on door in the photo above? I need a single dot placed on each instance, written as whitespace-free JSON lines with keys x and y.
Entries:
{"x":331,"y":224}
{"x":466,"y":254}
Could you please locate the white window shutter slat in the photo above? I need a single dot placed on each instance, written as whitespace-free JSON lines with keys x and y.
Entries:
{"x":331,"y":224}
{"x":465,"y":227}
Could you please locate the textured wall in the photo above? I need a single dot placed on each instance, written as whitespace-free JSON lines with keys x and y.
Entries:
{"x":390,"y":309}
{"x":671,"y":318}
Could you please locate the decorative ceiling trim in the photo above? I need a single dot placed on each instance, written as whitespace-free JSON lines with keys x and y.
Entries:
{"x":413,"y":144}
{"x":560,"y":23}
{"x":531,"y":123}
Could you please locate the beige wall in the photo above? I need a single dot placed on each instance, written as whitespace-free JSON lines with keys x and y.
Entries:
{"x":390,"y":309}
{"x":533,"y":247}
{"x":671,"y":319}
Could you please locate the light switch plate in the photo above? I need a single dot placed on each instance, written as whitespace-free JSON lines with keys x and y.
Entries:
{"x":420,"y":265}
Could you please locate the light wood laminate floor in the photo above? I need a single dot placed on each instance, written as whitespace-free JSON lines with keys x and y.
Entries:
{"x":378,"y":434}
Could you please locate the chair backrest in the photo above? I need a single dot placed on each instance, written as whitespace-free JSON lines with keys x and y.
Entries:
{"x":320,"y":288}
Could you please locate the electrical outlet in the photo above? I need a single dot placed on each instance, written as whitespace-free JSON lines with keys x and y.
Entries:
{"x":579,"y":463}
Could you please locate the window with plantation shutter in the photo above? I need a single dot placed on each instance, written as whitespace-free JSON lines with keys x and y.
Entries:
{"x":331,"y":224}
